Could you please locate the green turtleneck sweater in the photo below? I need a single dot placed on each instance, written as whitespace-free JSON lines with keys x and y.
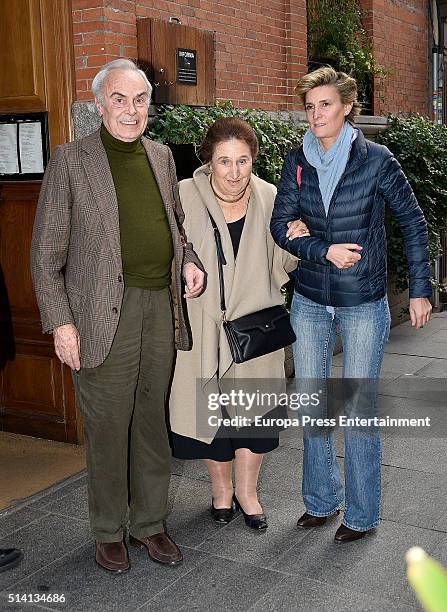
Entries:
{"x":146,"y":241}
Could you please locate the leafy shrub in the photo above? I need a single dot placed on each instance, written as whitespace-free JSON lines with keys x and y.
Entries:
{"x":420,"y":146}
{"x":336,"y":36}
{"x":184,"y":124}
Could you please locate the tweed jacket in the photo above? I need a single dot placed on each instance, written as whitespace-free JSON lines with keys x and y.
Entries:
{"x":251,"y":283}
{"x":76,"y":253}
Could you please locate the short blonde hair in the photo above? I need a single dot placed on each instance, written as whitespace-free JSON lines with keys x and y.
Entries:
{"x":345,"y":85}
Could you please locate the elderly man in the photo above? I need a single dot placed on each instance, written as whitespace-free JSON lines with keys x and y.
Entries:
{"x":107,"y":227}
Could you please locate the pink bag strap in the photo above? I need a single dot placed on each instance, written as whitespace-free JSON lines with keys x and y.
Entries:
{"x":299,"y":172}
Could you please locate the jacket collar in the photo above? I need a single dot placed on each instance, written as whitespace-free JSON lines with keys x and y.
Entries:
{"x":359,"y":153}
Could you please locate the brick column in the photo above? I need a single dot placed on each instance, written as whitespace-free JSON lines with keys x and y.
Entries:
{"x":103,"y":30}
{"x":398,"y":30}
{"x":296,"y":47}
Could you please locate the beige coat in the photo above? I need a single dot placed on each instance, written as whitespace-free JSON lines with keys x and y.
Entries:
{"x":250,"y":285}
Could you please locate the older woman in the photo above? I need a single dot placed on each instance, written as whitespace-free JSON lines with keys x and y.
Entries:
{"x":241,"y":205}
{"x":338,"y":184}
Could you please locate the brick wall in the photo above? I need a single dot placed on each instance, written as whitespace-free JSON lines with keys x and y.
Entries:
{"x":399,"y":31}
{"x":260,"y":44}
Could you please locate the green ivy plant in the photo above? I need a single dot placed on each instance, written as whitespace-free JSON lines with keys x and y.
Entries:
{"x":336,"y":36}
{"x":184,"y":124}
{"x":421,"y":148}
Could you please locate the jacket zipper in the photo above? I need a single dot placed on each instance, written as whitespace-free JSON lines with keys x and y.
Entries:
{"x":347,"y":171}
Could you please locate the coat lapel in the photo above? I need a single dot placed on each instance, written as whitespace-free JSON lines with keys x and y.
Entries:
{"x":209,"y":200}
{"x":160,"y":169}
{"x":253,"y":240}
{"x":97,"y":169}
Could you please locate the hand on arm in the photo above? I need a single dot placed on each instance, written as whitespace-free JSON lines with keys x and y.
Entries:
{"x":287,"y":209}
{"x":194,"y":280}
{"x":67,"y":345}
{"x":344,"y":255}
{"x":296,"y":229}
{"x":420,"y":310}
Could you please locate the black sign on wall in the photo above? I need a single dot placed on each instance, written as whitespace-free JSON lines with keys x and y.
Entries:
{"x":186,"y":66}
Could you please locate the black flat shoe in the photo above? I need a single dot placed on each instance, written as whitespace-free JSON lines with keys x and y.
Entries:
{"x":223,"y":515}
{"x":255,"y":521}
{"x":344,"y":534}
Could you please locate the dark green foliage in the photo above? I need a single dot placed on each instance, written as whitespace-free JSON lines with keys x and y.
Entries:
{"x":184,"y":124}
{"x":336,"y":36}
{"x":419,"y":145}
{"x":421,"y":148}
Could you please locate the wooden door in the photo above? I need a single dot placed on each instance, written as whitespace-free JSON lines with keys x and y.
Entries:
{"x":159,"y":44}
{"x":36,"y":74}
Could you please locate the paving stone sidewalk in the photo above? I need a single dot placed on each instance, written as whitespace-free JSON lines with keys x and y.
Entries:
{"x":232,"y":568}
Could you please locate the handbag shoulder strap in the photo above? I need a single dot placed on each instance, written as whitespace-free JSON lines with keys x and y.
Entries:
{"x":221,"y":261}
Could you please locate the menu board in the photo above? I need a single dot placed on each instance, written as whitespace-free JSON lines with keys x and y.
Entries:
{"x":9,"y":158}
{"x":23,"y":146}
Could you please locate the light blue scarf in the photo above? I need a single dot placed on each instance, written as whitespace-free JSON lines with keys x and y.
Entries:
{"x":330,"y":165}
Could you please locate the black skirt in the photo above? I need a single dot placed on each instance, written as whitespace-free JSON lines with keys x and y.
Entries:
{"x":228,"y":439}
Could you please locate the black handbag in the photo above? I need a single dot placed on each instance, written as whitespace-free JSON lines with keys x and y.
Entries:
{"x":257,"y":333}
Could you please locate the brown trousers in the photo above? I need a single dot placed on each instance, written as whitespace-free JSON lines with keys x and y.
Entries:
{"x":122,"y":402}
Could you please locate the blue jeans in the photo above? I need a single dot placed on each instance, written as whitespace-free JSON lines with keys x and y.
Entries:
{"x":364,"y":330}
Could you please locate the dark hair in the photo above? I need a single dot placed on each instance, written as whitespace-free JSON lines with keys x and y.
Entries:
{"x":225,"y":129}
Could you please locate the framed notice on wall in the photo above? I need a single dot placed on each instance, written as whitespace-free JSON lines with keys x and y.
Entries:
{"x":186,"y":63}
{"x":23,"y":146}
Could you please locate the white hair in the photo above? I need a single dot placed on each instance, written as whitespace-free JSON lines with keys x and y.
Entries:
{"x":118,"y":64}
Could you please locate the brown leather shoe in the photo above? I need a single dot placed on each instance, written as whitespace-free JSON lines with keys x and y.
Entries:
{"x":344,"y":534}
{"x":160,"y":548}
{"x":307,"y":521}
{"x":112,"y":556}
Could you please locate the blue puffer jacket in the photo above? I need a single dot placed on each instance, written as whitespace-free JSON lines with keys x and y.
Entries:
{"x":372,"y":178}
